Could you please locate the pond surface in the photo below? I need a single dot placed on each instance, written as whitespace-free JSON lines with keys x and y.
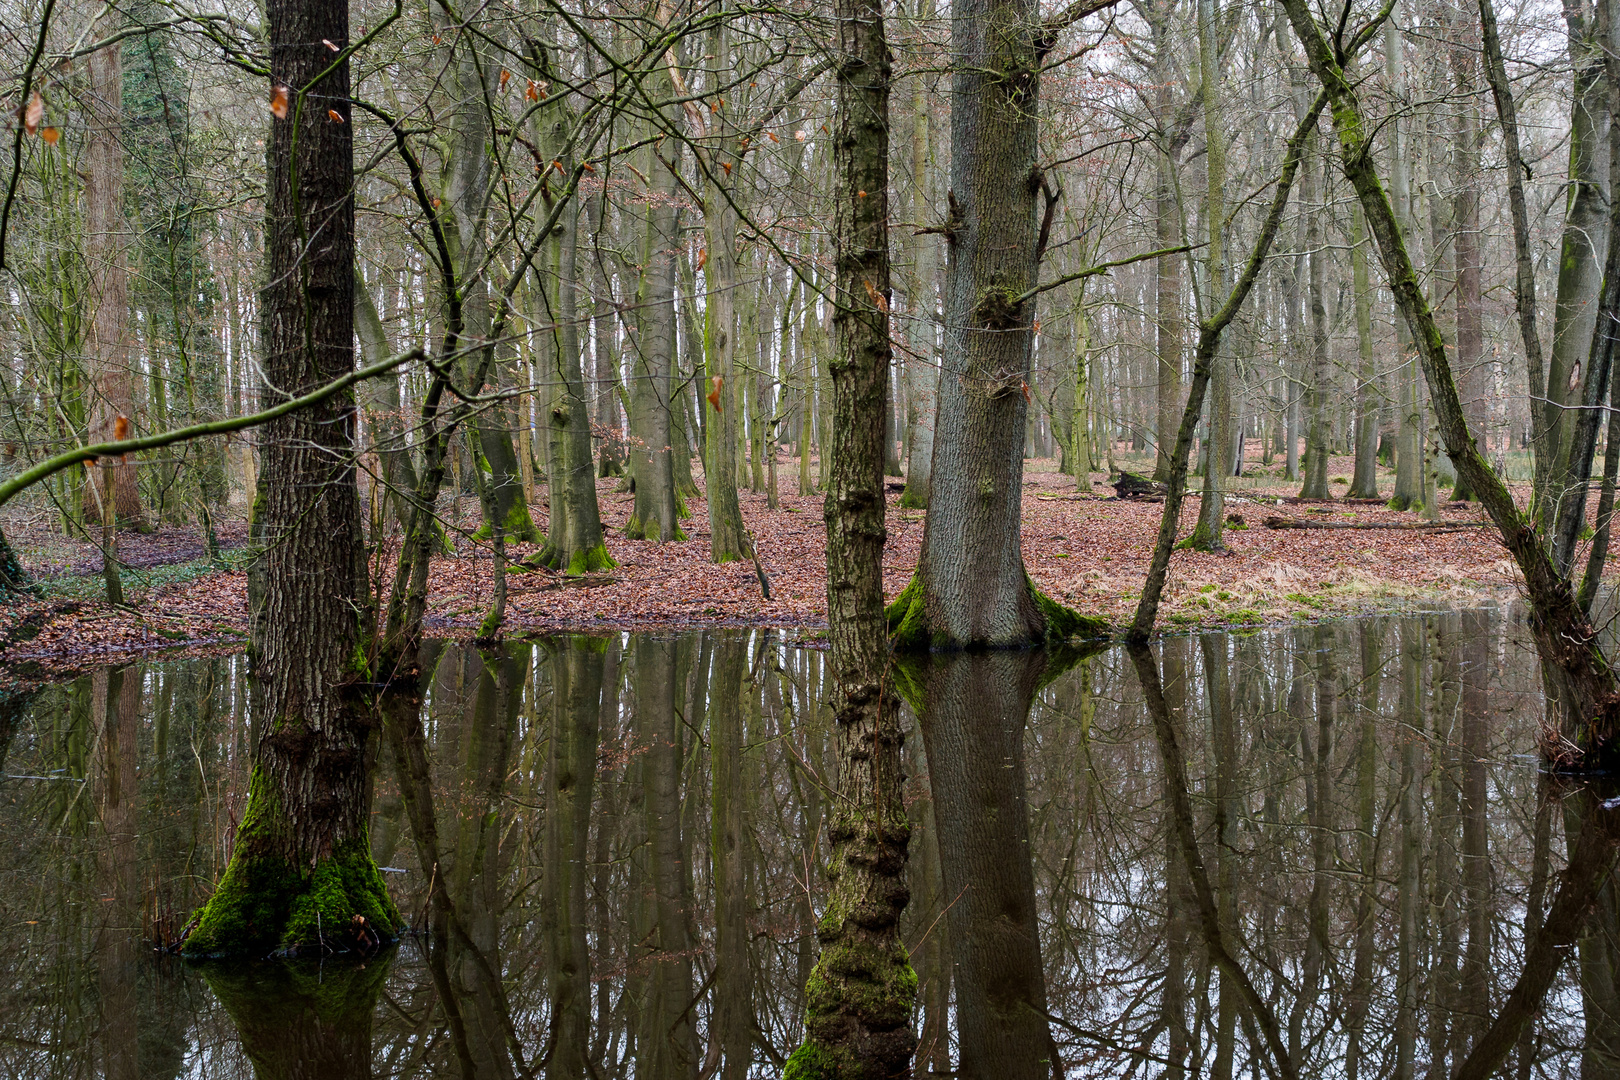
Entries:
{"x":1344,"y":820}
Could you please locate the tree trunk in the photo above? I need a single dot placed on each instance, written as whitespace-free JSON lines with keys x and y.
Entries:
{"x":1364,"y":482}
{"x":1206,"y":535}
{"x":860,"y":995}
{"x":574,"y":540}
{"x":1172,"y":131}
{"x":110,"y":344}
{"x":1467,"y":255}
{"x":467,"y":196}
{"x":651,"y":455}
{"x":1317,"y":394}
{"x":971,"y":588}
{"x":1581,"y":256}
{"x":301,"y":872}
{"x":728,"y":538}
{"x":922,"y":328}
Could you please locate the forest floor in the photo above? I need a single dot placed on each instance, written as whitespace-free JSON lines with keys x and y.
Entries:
{"x":1082,"y":546}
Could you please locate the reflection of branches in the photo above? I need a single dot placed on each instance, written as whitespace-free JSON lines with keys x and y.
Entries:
{"x":1175,"y":767}
{"x":1589,"y":865}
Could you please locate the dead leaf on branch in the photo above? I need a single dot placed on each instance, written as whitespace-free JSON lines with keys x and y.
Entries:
{"x":33,"y":113}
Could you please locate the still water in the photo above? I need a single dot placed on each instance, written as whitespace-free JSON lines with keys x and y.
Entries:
{"x":1324,"y":856}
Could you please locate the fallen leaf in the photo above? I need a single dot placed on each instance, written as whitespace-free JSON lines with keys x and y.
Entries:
{"x":50,"y":134}
{"x":279,"y":96}
{"x":329,"y":45}
{"x":34,"y":113}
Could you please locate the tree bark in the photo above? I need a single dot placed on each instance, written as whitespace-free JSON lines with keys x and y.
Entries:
{"x":574,"y":542}
{"x":1364,"y":481}
{"x":1581,"y":255}
{"x":110,"y":344}
{"x":921,"y":330}
{"x":1317,"y":398}
{"x":971,"y":588}
{"x":860,"y":995}
{"x":1206,"y":535}
{"x":301,"y":872}
{"x":651,"y":457}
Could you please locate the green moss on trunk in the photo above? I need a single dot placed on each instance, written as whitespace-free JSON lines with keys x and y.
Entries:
{"x":266,"y":904}
{"x":1063,"y":623}
{"x":909,"y":629}
{"x":520,"y":528}
{"x":578,"y":564}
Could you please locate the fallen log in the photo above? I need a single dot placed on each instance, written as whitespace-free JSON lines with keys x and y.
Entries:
{"x":1131,"y":486}
{"x":1413,"y":526}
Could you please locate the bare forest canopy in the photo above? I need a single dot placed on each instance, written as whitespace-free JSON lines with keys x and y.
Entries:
{"x":674,"y":130}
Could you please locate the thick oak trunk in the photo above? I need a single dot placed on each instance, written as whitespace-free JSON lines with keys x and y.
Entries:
{"x":301,"y":872}
{"x":971,"y":589}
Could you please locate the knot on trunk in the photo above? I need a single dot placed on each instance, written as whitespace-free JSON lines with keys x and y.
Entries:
{"x":998,"y":308}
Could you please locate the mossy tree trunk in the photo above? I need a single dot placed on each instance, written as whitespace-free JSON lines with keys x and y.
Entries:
{"x":859,"y":997}
{"x":971,"y":588}
{"x":301,"y":872}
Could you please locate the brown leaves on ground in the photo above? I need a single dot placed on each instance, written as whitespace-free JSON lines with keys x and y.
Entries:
{"x":1082,"y":546}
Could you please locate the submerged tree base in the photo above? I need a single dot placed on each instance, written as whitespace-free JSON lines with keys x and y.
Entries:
{"x":910,"y":629}
{"x":265,"y":904}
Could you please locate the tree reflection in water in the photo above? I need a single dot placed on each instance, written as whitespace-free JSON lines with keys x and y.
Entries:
{"x":1310,"y":852}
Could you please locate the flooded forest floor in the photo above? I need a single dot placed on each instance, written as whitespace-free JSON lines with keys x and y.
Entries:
{"x":1082,"y":544}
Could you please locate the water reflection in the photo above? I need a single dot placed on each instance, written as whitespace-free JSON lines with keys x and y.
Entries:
{"x":1319,"y":851}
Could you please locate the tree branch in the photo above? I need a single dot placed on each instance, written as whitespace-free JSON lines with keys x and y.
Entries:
{"x":53,"y":465}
